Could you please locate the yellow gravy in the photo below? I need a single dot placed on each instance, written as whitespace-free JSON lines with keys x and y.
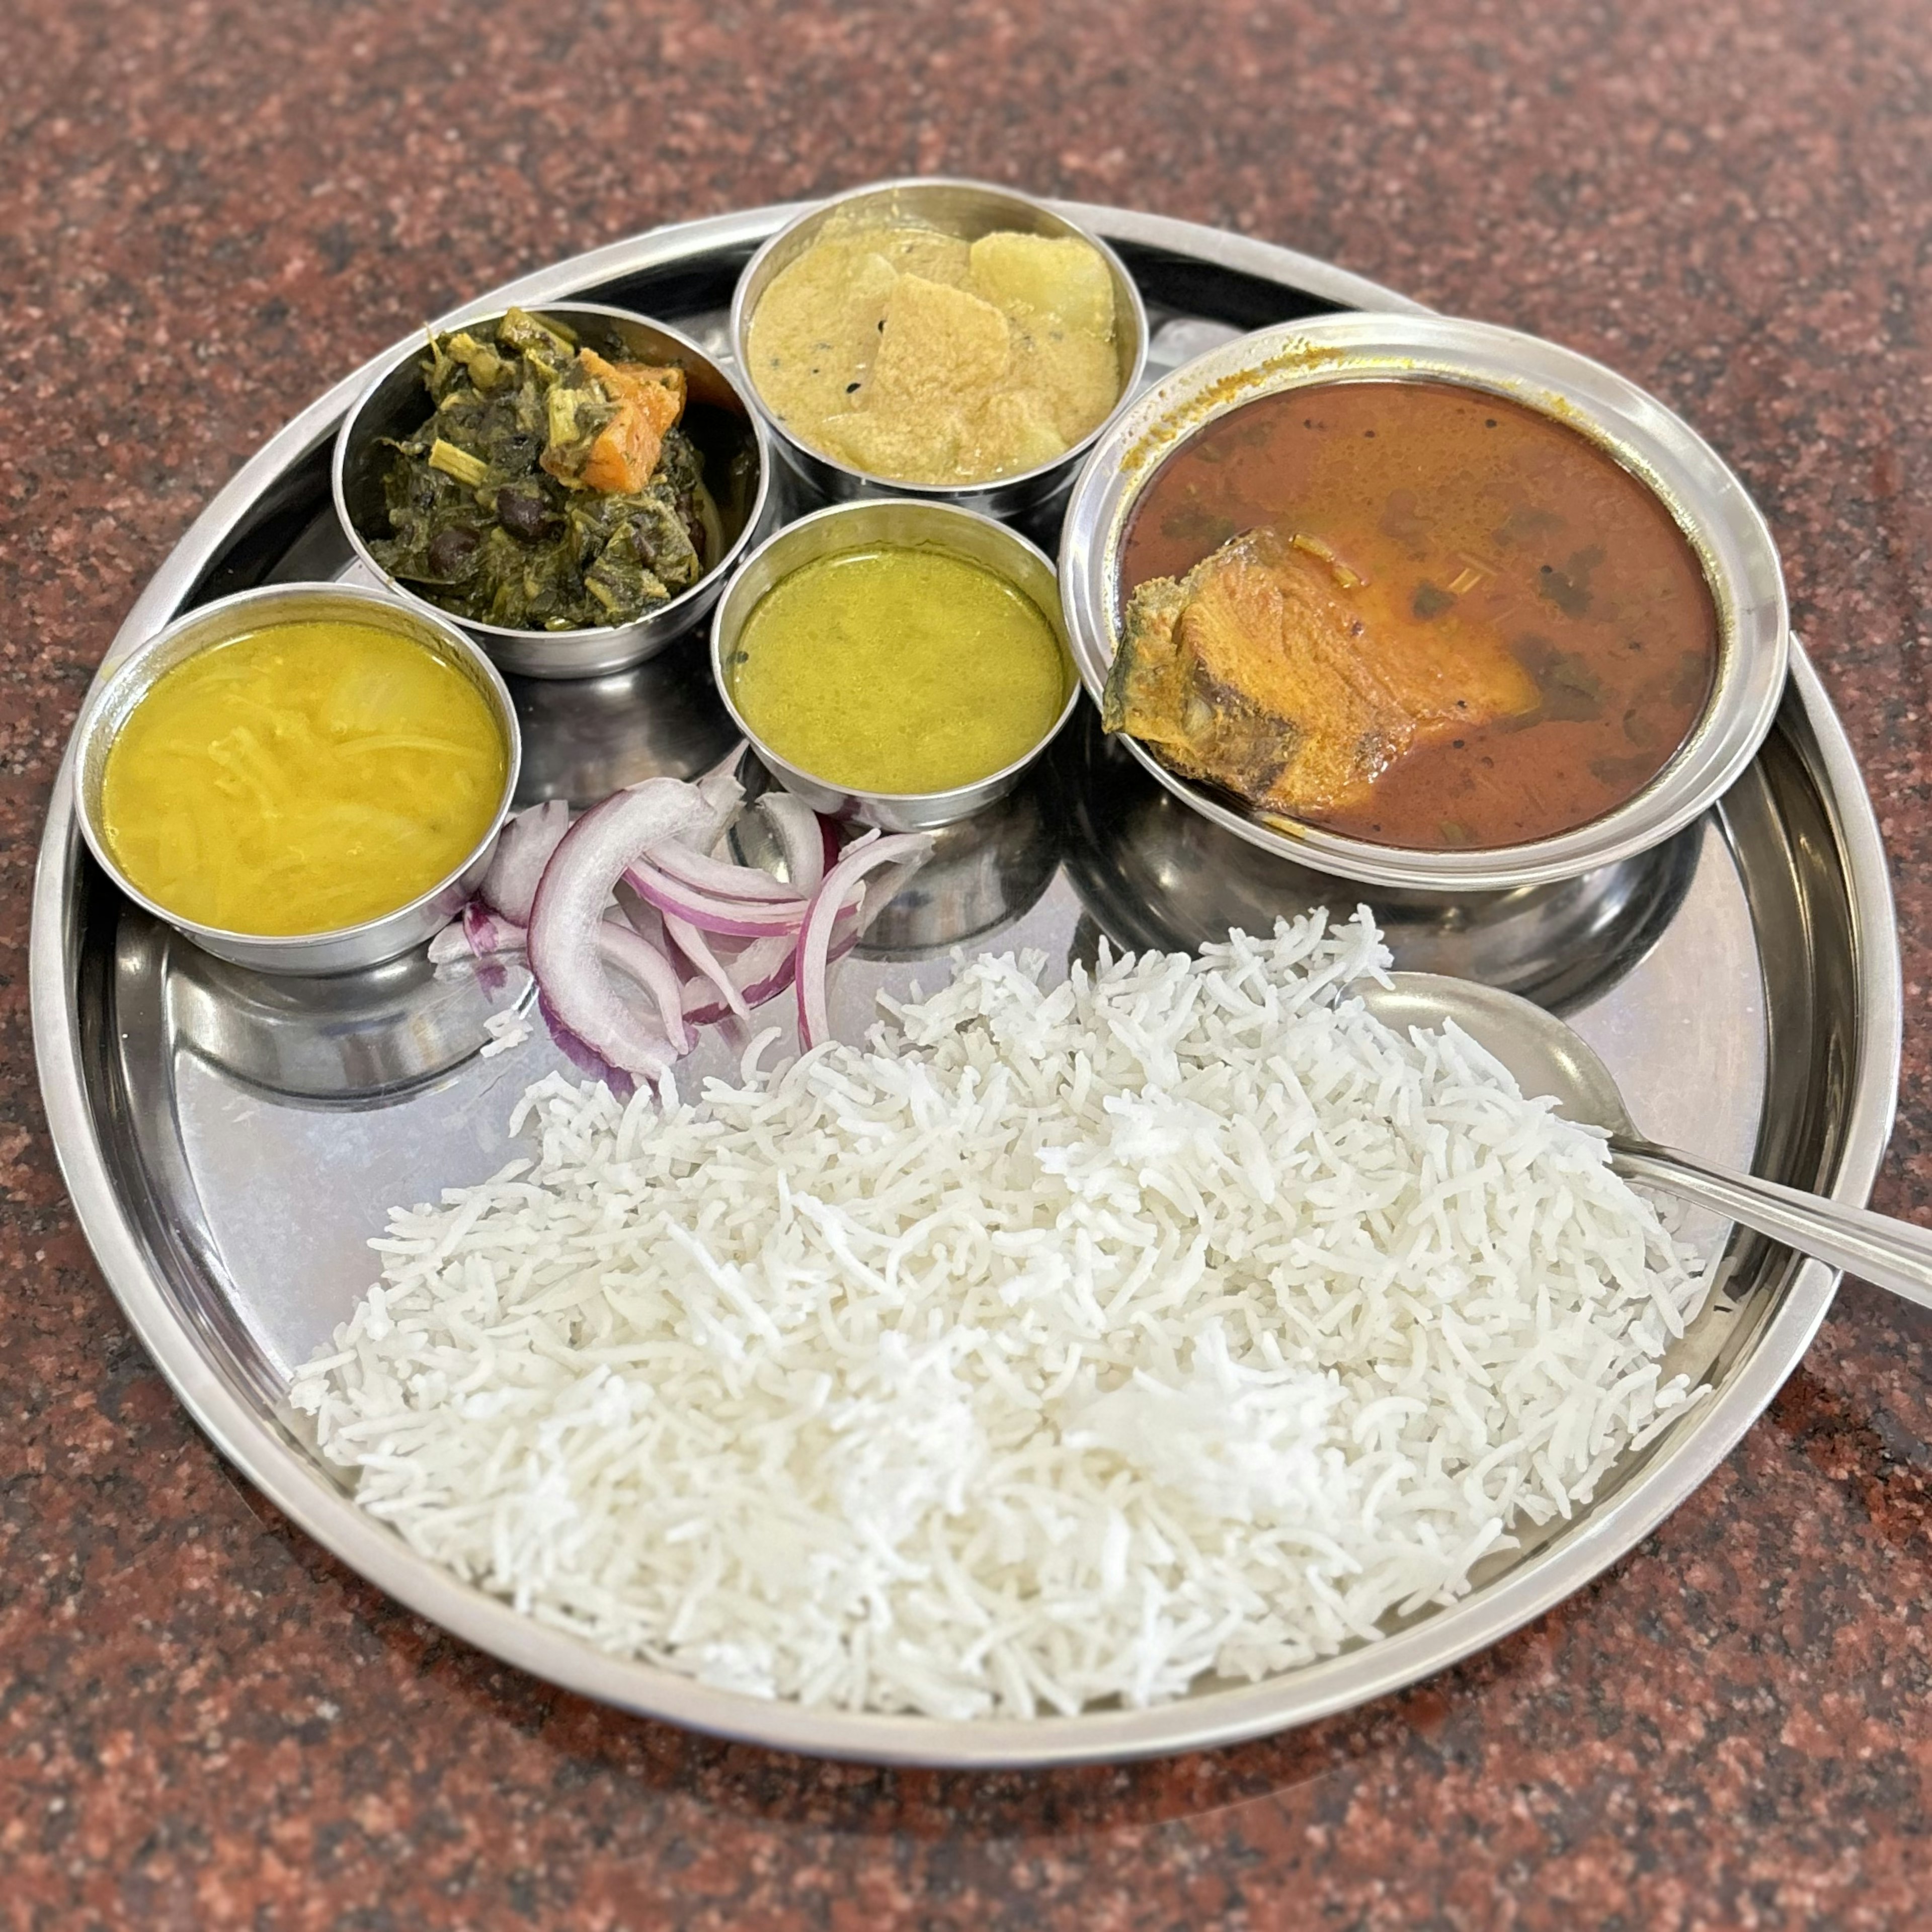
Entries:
{"x":302,"y":778}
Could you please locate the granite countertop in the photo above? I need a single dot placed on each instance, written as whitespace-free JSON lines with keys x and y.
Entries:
{"x":210,"y":211}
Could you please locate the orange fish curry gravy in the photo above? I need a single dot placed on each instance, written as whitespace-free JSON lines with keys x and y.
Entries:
{"x":1412,"y":613}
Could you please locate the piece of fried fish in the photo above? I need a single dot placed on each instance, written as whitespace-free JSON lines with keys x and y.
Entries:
{"x":1263,"y":670}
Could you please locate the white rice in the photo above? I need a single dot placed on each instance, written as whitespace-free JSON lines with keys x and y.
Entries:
{"x":1058,"y":1345}
{"x":507,"y":1029}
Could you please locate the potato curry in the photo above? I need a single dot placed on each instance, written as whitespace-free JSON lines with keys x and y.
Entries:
{"x":911,"y":354}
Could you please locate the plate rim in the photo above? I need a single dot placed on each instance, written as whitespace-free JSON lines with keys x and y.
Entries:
{"x":271,"y":1458}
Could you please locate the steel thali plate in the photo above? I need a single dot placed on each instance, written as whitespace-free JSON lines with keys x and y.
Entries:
{"x":231,"y":1142}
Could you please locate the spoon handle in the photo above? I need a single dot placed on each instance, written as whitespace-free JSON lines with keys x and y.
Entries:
{"x":1891,"y":1254}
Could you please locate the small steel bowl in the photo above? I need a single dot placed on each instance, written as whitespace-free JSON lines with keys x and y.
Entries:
{"x":968,"y":209}
{"x":717,"y":417}
{"x":349,"y":948}
{"x":1709,"y":504}
{"x":844,"y":527}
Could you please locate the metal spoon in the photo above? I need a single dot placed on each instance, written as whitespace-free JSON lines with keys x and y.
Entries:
{"x":1546,"y":1056}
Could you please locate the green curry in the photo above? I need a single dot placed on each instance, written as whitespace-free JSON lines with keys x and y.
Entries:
{"x":898,"y":669}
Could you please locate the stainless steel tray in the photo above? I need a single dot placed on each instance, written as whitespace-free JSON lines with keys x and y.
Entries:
{"x":230,"y":1143}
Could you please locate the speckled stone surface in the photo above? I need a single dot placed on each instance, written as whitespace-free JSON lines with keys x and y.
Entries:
{"x":208,"y":211}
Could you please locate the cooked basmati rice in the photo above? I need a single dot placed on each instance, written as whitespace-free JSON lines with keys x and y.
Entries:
{"x":1060,"y":1344}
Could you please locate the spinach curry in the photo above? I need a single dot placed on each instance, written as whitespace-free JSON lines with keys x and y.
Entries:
{"x":549,"y":489}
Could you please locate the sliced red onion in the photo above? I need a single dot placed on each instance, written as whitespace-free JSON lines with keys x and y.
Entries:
{"x":693,"y":944}
{"x":702,"y":1005}
{"x":476,"y":933}
{"x":490,"y":932}
{"x":761,"y":969}
{"x":584,"y":1058}
{"x":764,"y":970}
{"x":721,"y":790}
{"x":451,"y":944}
{"x":522,"y":851}
{"x":568,"y":911}
{"x":646,"y":920}
{"x":734,"y":919}
{"x":800,"y":838}
{"x":725,"y":771}
{"x":862,"y":856}
{"x":880,"y":891}
{"x":632,"y":955}
{"x":719,"y":878}
{"x":493,"y":939}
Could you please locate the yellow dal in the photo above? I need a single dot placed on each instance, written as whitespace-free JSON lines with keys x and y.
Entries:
{"x":302,"y":778}
{"x":898,"y":670}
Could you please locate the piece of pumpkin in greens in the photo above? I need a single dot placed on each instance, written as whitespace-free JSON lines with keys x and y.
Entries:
{"x":612,"y":441}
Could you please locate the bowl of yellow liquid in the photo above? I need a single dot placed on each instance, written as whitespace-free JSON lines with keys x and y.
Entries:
{"x":307,"y":778}
{"x":896,"y":661}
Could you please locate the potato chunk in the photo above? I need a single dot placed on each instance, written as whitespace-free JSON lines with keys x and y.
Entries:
{"x":924,"y":449}
{"x":926,"y":253}
{"x":815,"y":330}
{"x":941,"y":349}
{"x":1058,"y":276}
{"x":1012,"y":430}
{"x":1076,"y":377}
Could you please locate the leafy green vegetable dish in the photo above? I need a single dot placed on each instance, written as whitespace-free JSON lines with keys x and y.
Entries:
{"x":550,"y":489}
